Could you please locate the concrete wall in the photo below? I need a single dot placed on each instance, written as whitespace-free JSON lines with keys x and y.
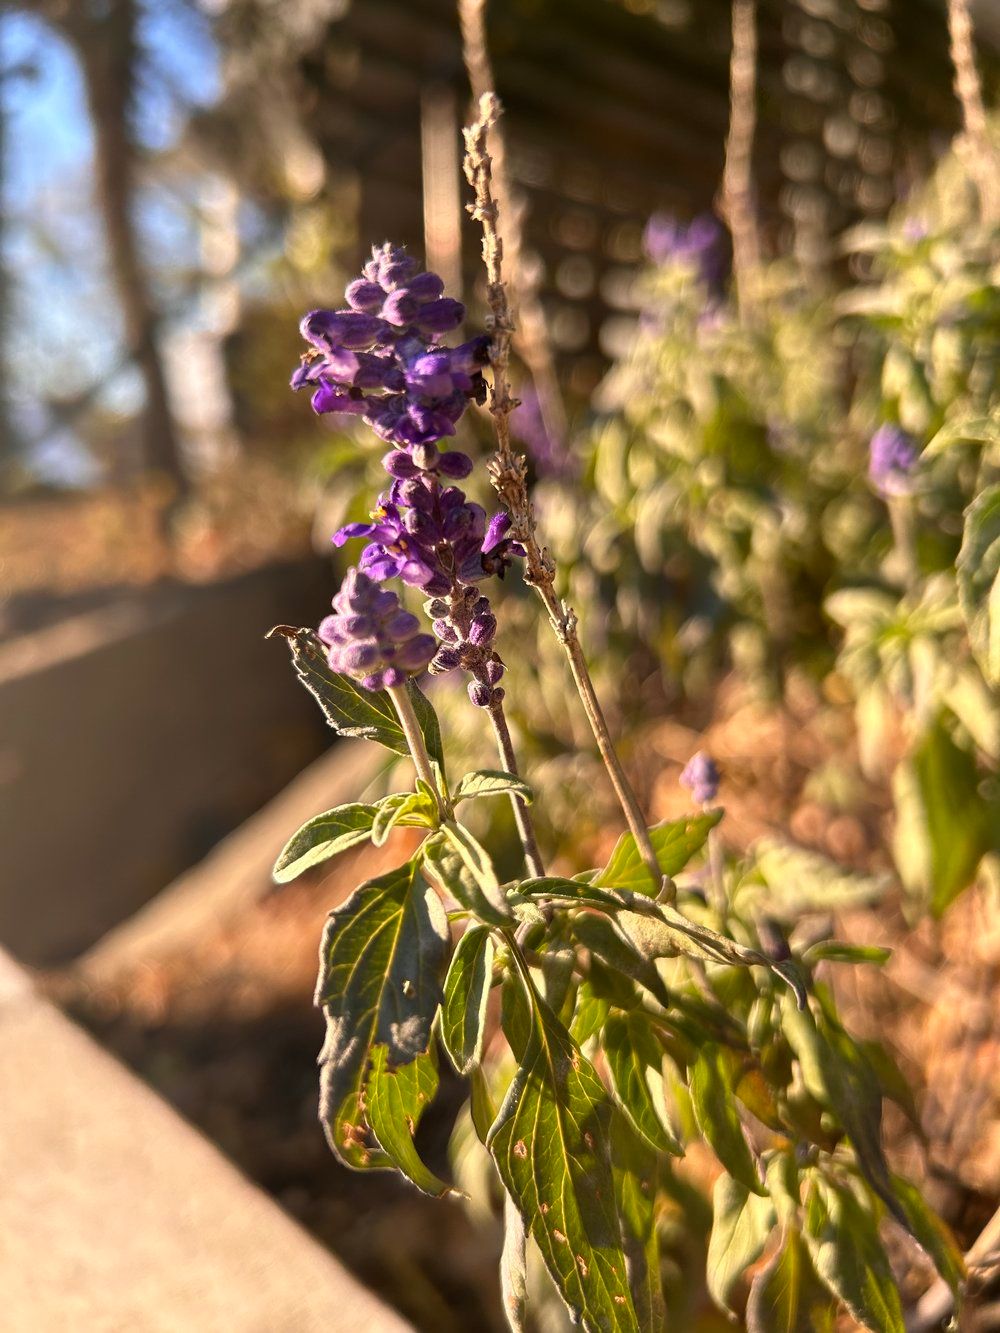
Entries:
{"x":132,"y":739}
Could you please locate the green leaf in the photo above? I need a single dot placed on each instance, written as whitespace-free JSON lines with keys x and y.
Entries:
{"x":741,"y":1225}
{"x":978,"y":568}
{"x":394,"y":1102}
{"x":463,"y":868}
{"x":466,"y":991}
{"x":379,"y":984}
{"x":412,"y":809}
{"x":944,"y":826}
{"x":591,"y":1012}
{"x":665,"y":933}
{"x":836,"y":1072}
{"x":602,"y":937}
{"x":718,"y":1117}
{"x":786,"y":1295}
{"x":513,"y":1267}
{"x":635,"y":1169}
{"x":635,"y":1063}
{"x":322,"y":837}
{"x":491,"y":782}
{"x":674,"y":842}
{"x":843,"y":1242}
{"x":836,"y":951}
{"x":352,"y":710}
{"x":658,"y":930}
{"x":797,"y":880}
{"x":550,"y":1145}
{"x":932,"y":1234}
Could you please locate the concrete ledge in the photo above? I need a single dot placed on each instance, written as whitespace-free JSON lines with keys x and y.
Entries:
{"x":115,"y":1214}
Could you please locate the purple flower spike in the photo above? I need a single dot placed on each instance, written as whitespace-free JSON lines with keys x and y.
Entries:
{"x":701,"y":777}
{"x":891,"y":461}
{"x":371,"y":637}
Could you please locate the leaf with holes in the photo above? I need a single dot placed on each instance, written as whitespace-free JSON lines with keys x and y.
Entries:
{"x":395,"y":1099}
{"x":550,"y":1145}
{"x":381,"y":960}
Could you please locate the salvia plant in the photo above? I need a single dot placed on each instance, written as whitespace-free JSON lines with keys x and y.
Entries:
{"x":607,"y":1024}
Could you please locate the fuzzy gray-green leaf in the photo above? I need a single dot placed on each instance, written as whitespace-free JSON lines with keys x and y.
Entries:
{"x":381,"y":960}
{"x":635,"y":1062}
{"x":741,"y":1225}
{"x":718,"y":1118}
{"x":322,"y":837}
{"x":491,"y":782}
{"x":464,"y":869}
{"x":550,"y":1145}
{"x":466,"y":991}
{"x":843,"y":1242}
{"x":395,"y":1100}
{"x":674,"y":842}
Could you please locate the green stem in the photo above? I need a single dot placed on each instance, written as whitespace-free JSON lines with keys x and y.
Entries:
{"x":522,"y":816}
{"x":403,"y":704}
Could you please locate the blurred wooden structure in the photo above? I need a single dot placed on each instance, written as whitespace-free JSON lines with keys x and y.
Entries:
{"x":618,"y":108}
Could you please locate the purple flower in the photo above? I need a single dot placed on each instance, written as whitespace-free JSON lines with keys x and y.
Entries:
{"x":701,"y":777}
{"x":371,"y":637}
{"x":700,"y":245}
{"x":381,"y":359}
{"x":891,"y":460}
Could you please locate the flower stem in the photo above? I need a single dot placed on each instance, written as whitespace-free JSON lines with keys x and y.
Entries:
{"x":508,"y":472}
{"x":522,"y":815}
{"x":737,"y":203}
{"x":403,"y":704}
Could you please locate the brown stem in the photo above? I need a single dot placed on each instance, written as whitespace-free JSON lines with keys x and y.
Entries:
{"x":522,"y":816}
{"x":418,"y":749}
{"x":976,"y":144}
{"x":508,"y":472}
{"x":737,"y":201}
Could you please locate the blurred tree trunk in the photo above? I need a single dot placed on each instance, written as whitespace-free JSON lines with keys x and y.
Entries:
{"x":104,"y":37}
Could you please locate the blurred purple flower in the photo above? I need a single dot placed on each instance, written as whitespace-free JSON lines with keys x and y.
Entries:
{"x":550,"y":456}
{"x":701,"y":245}
{"x":891,"y":460}
{"x":701,"y":777}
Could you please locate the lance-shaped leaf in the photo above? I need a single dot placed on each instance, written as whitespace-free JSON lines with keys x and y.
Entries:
{"x":786,"y":1296}
{"x":932,"y":1234}
{"x":550,"y":1145}
{"x":513,"y":1267}
{"x":667,"y":932}
{"x":410,"y":809}
{"x":352,"y":710}
{"x":466,"y":991}
{"x":843,"y":1243}
{"x":379,"y":984}
{"x":635,"y":1063}
{"x":718,"y":1117}
{"x":836,"y":1072}
{"x":741,"y":1225}
{"x":491,"y":782}
{"x":602,"y":937}
{"x":395,"y":1099}
{"x":978,"y":568}
{"x":674,"y":842}
{"x":322,"y":837}
{"x":635,"y":1168}
{"x":463,"y":868}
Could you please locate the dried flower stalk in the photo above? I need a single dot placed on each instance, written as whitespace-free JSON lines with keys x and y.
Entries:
{"x":531,"y":335}
{"x":736,"y":201}
{"x":508,"y":472}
